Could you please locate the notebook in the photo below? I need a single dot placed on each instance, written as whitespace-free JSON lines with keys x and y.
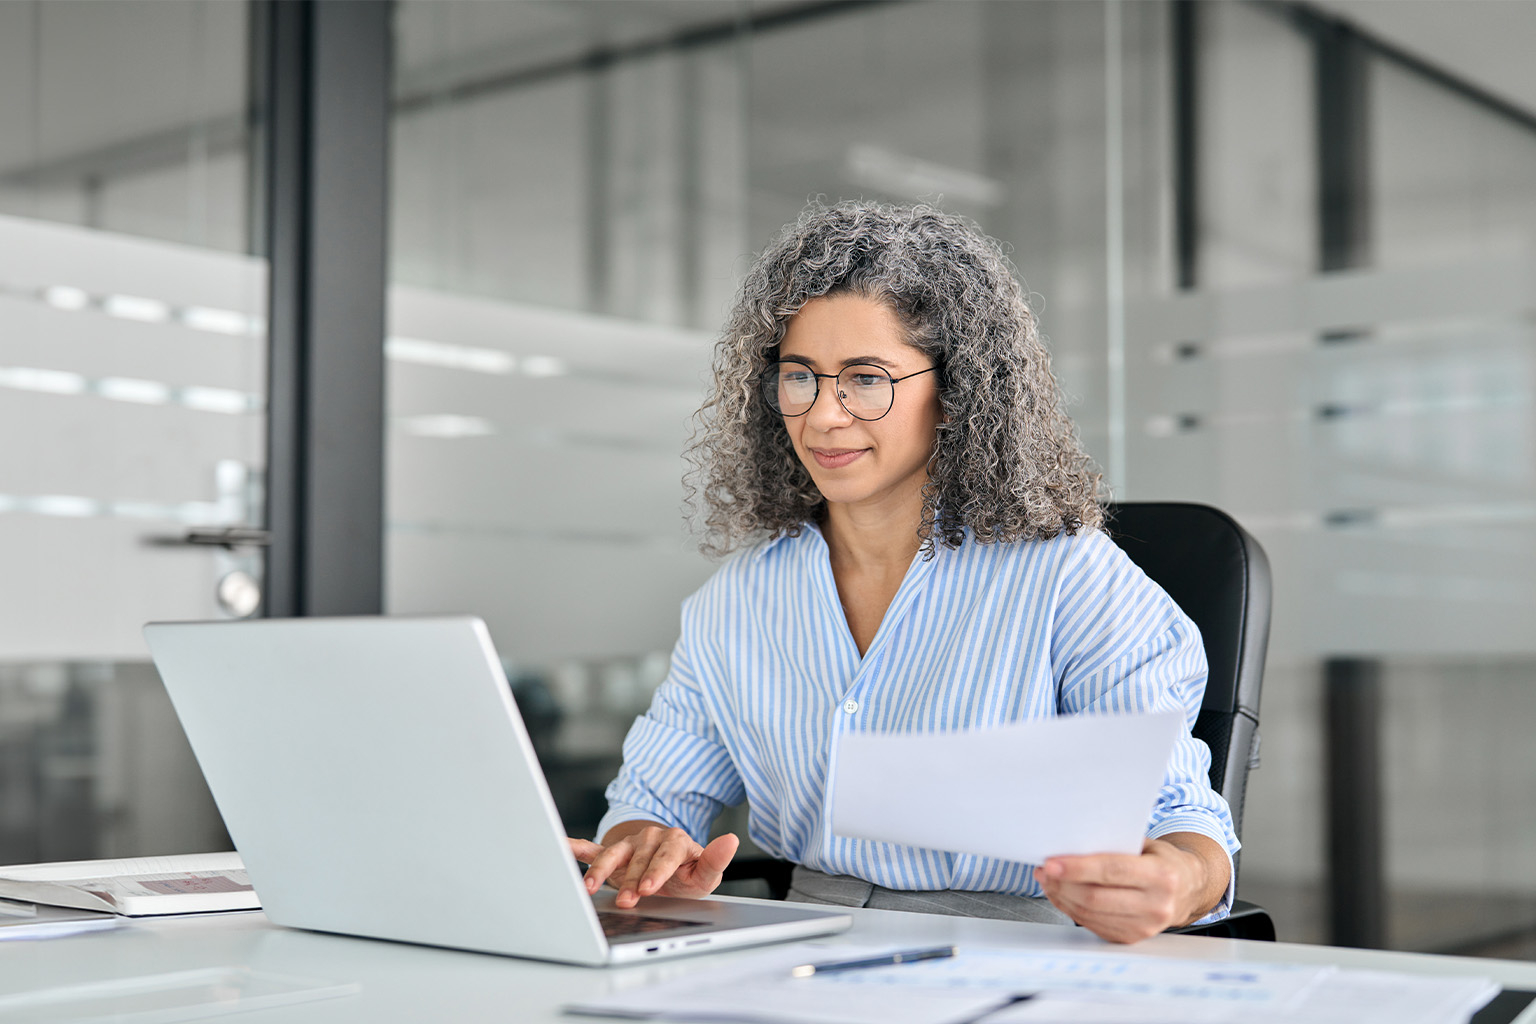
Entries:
{"x":377,"y":780}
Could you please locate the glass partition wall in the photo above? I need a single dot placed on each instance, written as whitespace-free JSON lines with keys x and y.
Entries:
{"x":578,"y":187}
{"x":132,"y":382}
{"x":1350,"y":374}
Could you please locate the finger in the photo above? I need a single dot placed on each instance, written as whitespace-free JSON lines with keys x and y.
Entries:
{"x":1061,"y":898}
{"x":1069,"y":908}
{"x":584,"y":850}
{"x":673,"y":852}
{"x":1121,"y":930}
{"x":1122,"y":869}
{"x":646,"y":844}
{"x":1110,"y":927}
{"x":1115,"y":914}
{"x":708,"y":869}
{"x":1113,"y":901}
{"x":1052,"y":892}
{"x":614,"y":858}
{"x":661,"y":852}
{"x":717,"y":855}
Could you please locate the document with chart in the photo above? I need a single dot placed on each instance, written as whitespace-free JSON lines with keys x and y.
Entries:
{"x":1043,"y":986}
{"x":1022,"y":792}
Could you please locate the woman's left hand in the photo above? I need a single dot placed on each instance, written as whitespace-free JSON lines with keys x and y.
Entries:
{"x":1122,"y":897}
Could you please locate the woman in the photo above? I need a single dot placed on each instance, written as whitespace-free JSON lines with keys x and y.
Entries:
{"x":923,"y":553}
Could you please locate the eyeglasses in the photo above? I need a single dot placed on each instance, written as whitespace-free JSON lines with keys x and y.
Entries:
{"x":866,"y":391}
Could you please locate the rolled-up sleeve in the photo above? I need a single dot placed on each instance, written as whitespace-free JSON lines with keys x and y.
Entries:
{"x":1125,"y":647}
{"x":676,"y":769}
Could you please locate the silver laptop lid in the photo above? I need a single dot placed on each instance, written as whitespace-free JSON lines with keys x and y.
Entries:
{"x":377,"y":779}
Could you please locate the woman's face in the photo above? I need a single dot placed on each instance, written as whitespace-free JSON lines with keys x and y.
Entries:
{"x":874,"y":464}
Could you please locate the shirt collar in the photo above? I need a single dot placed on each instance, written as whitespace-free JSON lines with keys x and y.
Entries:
{"x":810,"y":531}
{"x":807,"y":530}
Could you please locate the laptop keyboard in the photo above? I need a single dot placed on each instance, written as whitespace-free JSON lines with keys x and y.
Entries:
{"x":619,"y":925}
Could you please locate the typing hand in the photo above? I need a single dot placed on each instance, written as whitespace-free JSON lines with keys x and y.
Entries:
{"x":651,"y":859}
{"x":1126,"y":897}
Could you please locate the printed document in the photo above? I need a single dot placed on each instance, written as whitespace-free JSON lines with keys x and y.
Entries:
{"x":1338,"y":997}
{"x":189,"y":883}
{"x":760,"y":989}
{"x":1043,"y":986}
{"x":1022,"y":792}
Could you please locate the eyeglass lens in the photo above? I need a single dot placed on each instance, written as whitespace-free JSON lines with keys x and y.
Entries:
{"x":866,"y":391}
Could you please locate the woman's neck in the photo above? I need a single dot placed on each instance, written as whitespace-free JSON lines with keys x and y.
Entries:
{"x":881,"y":539}
{"x":871,"y":547}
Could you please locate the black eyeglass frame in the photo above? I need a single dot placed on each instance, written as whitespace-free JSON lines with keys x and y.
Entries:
{"x":768,"y":375}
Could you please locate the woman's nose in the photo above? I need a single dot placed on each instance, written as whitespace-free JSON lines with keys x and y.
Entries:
{"x":827,"y":411}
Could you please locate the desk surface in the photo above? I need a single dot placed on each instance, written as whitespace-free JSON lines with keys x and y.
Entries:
{"x":397,"y":982}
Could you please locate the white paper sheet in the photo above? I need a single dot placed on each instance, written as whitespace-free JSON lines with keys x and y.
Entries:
{"x":1096,"y":977}
{"x":1067,"y":986}
{"x":21,"y":921}
{"x":1024,"y":792}
{"x":760,"y":990}
{"x":1339,"y":997}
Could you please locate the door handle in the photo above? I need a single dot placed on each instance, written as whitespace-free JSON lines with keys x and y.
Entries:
{"x":227,"y":537}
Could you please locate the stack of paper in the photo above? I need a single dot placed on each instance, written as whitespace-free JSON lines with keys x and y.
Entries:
{"x":192,"y":883}
{"x":1011,"y":986}
{"x":31,"y":921}
{"x":761,"y":989}
{"x":1108,"y":988}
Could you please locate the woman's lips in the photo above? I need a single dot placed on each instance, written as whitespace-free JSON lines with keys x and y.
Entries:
{"x":834,"y":458}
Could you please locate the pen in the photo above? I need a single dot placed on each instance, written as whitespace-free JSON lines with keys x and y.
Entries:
{"x":905,"y":956}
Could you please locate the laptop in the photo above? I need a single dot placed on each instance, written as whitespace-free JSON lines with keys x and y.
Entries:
{"x":378,"y":781}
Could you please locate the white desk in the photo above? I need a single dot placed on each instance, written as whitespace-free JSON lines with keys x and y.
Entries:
{"x":411,"y":983}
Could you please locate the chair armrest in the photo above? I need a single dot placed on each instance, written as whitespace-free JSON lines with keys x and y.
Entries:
{"x":771,"y":871}
{"x":1247,"y":921}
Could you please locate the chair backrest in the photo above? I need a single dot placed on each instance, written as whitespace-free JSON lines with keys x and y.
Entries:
{"x":1218,"y":575}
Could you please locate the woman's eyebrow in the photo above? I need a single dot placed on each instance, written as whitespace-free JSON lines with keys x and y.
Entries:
{"x":873,"y":360}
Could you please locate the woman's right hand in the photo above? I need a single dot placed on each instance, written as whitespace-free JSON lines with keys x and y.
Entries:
{"x":643,"y":858}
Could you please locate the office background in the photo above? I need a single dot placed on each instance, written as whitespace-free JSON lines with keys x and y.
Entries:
{"x":1285,"y":255}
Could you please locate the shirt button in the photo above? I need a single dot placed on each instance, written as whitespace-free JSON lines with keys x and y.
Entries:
{"x":850,"y":705}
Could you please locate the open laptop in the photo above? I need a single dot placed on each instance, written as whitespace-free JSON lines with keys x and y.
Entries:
{"x":378,"y":781}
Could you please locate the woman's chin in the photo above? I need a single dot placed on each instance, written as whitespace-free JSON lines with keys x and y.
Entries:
{"x":838,"y":489}
{"x":848,"y":496}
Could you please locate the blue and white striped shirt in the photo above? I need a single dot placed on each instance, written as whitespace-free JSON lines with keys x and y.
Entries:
{"x":766,"y":676}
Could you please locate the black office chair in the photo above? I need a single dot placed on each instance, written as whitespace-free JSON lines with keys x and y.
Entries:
{"x":1217,"y":573}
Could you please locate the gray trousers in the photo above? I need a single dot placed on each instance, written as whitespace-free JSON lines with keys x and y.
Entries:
{"x":809,"y":886}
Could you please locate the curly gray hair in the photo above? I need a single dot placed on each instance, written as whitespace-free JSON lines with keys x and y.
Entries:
{"x":1006,"y":465}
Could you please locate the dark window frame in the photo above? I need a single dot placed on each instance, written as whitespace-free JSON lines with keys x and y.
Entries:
{"x":327,"y":85}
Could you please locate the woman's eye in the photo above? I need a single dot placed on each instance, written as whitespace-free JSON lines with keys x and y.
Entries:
{"x":868,"y":380}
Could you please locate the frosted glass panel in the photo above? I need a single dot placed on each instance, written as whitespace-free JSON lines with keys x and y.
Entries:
{"x":133,"y":382}
{"x":132,"y":404}
{"x":1391,"y":478}
{"x":535,"y":473}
